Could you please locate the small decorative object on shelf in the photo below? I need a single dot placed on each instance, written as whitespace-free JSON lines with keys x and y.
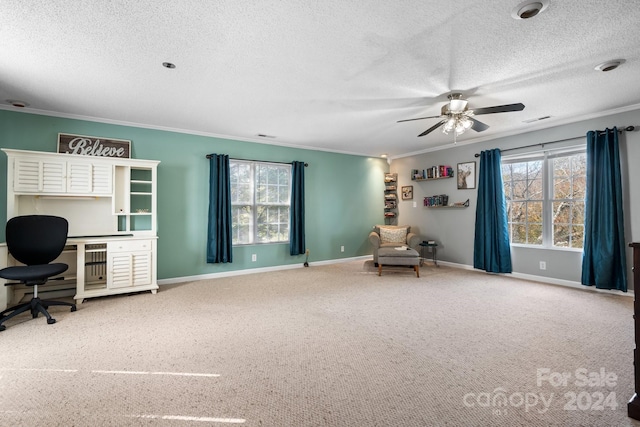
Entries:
{"x":434,"y":172}
{"x":464,"y":204}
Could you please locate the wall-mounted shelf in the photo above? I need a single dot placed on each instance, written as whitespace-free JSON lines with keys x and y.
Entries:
{"x":456,"y":205}
{"x":390,"y":198}
{"x":434,"y":172}
{"x":432,"y":179}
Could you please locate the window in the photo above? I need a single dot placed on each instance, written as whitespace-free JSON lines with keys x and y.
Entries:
{"x":545,"y":198}
{"x":260,"y":200}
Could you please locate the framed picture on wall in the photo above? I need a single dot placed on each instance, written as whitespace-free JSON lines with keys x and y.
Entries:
{"x":407,"y":192}
{"x":466,"y":176}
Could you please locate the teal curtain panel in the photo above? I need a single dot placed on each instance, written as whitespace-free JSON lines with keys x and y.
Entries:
{"x":296,"y":220}
{"x":491,"y":251}
{"x":219,"y":248}
{"x":603,"y":260}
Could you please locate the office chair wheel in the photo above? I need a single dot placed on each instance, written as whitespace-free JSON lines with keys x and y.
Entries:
{"x":73,"y":308}
{"x":2,"y":328}
{"x":51,"y":321}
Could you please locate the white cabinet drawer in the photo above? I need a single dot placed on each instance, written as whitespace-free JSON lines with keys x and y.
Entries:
{"x":129,"y":246}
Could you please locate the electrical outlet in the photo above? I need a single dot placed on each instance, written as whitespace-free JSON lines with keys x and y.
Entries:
{"x":543,"y":265}
{"x":341,"y":248}
{"x":254,"y":257}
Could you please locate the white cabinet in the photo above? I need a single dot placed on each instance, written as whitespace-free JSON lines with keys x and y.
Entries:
{"x":115,"y":265}
{"x":110,"y":204}
{"x":34,"y":175}
{"x":129,"y":263}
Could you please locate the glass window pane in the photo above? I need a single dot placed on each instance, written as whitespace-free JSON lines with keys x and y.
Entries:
{"x":519,"y":170}
{"x":519,"y":190}
{"x":518,"y":212}
{"x":561,"y":187}
{"x":534,"y":234}
{"x":519,"y":233}
{"x":577,"y":213}
{"x":579,"y":164}
{"x":268,"y":185}
{"x":561,"y":235}
{"x":562,"y":167}
{"x":561,"y":212}
{"x":577,"y":236}
{"x":534,"y":212}
{"x":579,"y":187}
{"x":534,"y":190}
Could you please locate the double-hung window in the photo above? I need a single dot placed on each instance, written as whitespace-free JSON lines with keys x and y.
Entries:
{"x":545,"y":198}
{"x":260,"y":202}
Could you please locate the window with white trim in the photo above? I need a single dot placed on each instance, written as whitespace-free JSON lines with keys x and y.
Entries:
{"x":545,"y":198}
{"x":260,"y":202}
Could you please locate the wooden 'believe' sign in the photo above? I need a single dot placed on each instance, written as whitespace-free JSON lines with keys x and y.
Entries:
{"x":93,"y":146}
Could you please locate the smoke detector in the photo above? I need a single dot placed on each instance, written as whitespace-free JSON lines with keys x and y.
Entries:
{"x":17,"y":104}
{"x":609,"y":65}
{"x":528,"y":9}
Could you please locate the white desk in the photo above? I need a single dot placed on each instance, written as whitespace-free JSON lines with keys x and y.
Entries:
{"x":98,"y":266}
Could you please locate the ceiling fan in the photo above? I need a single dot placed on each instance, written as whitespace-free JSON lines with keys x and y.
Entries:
{"x":458,"y":118}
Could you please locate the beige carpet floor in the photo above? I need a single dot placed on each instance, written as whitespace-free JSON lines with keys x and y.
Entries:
{"x":332,"y":345}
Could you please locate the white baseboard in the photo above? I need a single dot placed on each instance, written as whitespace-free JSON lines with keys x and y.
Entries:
{"x":255,"y":270}
{"x":548,"y":280}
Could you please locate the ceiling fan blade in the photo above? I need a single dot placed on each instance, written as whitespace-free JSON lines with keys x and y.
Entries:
{"x":498,"y":109}
{"x":419,"y":118}
{"x":432,"y":128}
{"x":478,"y":126}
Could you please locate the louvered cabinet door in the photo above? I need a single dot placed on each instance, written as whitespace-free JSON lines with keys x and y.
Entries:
{"x":141,"y":268}
{"x":79,"y":175}
{"x":102,"y":179}
{"x":27,"y":176}
{"x":129,"y":263}
{"x":119,"y":270}
{"x":36,"y":176}
{"x":54,"y":178}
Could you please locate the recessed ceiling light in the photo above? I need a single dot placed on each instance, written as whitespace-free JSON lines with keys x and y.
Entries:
{"x":169,"y":65}
{"x":528,"y":9}
{"x":16,"y":103}
{"x":384,"y":156}
{"x":609,"y":65}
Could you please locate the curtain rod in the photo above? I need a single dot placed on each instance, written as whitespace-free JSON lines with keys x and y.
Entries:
{"x":542,"y":144}
{"x":208,"y":156}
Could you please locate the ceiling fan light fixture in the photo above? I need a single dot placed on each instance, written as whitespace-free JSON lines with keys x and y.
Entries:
{"x":457,"y":105}
{"x":457,"y":123}
{"x":528,"y":9}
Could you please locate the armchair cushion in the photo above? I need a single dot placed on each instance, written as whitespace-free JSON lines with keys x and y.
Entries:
{"x":393,"y":235}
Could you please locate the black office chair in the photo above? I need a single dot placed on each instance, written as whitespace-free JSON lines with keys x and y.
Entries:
{"x":35,"y":240}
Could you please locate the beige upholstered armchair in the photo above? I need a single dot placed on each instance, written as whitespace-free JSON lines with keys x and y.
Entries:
{"x":390,"y":236}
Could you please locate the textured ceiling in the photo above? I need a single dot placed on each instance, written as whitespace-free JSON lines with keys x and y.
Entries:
{"x":331,"y":75}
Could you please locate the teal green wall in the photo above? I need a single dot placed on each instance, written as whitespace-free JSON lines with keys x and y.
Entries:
{"x":344,"y":193}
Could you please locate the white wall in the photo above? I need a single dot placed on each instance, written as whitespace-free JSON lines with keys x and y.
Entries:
{"x":453,"y":229}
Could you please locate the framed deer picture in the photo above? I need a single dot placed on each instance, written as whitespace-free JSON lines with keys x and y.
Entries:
{"x":466,"y":176}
